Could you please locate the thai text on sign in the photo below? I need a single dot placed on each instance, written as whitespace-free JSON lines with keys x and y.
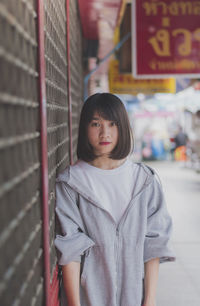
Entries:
{"x":126,"y":84}
{"x":166,"y":38}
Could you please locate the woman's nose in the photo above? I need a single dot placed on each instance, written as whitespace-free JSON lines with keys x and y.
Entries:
{"x":104,"y":130}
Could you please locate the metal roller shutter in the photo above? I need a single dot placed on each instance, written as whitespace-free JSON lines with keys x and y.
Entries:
{"x":21,"y":265}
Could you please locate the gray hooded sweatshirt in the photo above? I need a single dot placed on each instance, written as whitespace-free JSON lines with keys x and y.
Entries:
{"x":112,"y":255}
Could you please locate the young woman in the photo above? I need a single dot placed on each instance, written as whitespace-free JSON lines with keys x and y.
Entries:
{"x":115,"y":227}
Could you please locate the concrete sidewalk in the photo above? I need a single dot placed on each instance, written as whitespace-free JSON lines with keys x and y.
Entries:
{"x":179,"y":282}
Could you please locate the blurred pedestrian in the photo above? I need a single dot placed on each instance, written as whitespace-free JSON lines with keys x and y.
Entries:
{"x":115,"y":227}
{"x":180,"y":140}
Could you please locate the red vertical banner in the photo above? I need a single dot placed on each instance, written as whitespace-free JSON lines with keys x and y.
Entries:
{"x":166,"y":38}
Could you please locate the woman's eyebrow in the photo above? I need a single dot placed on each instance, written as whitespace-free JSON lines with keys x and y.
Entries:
{"x":95,"y":118}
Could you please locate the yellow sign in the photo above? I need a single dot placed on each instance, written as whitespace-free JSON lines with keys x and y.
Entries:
{"x":126,"y":84}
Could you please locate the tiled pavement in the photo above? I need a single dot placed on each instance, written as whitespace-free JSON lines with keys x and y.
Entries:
{"x":179,"y":282}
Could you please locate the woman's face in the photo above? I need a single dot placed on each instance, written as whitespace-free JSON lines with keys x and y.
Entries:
{"x":102,"y":135}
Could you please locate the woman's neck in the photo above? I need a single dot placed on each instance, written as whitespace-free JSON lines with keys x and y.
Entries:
{"x":106,"y":163}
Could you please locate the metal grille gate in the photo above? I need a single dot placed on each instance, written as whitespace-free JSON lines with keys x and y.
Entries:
{"x":21,"y":245}
{"x":57,"y":111}
{"x":20,"y":210}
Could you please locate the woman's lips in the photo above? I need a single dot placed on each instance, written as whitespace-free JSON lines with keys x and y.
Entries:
{"x":104,"y":143}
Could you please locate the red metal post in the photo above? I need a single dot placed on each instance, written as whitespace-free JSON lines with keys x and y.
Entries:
{"x":44,"y":158}
{"x":69,"y":82}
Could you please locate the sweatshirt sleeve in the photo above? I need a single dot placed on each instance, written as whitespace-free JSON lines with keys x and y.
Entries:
{"x":159,"y":227}
{"x":72,"y":242}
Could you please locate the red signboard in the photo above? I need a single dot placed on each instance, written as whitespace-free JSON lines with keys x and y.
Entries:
{"x":166,"y":38}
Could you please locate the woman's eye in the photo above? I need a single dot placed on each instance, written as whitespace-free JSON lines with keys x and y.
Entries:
{"x":95,"y":124}
{"x":113,"y":123}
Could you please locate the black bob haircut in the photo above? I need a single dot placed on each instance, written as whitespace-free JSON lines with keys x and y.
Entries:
{"x":109,"y":107}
